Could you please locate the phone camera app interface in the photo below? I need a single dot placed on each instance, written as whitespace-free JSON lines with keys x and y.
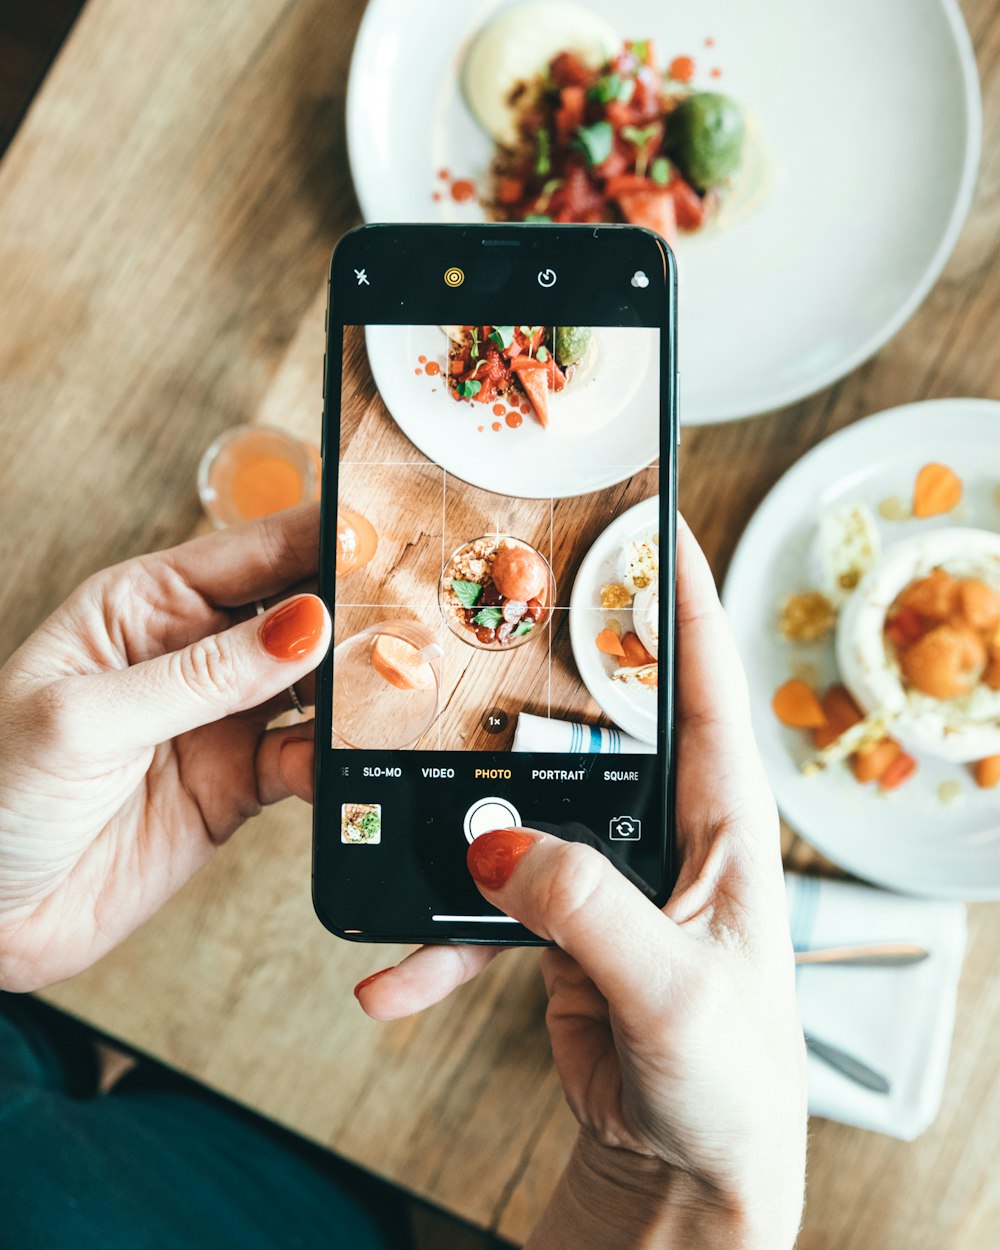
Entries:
{"x":498,"y":613}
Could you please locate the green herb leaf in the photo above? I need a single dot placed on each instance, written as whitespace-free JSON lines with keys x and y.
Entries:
{"x":469,"y":390}
{"x":639,"y":48}
{"x":542,"y":354}
{"x":503,"y":336}
{"x":612,"y":87}
{"x":659,"y":171}
{"x":538,"y":218}
{"x":523,"y":627}
{"x":474,"y":349}
{"x":468,"y":592}
{"x":595,"y":142}
{"x":543,"y":161}
{"x":490,"y":617}
{"x":639,"y":135}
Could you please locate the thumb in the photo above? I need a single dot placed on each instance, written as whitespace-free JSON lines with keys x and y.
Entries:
{"x":571,"y":894}
{"x":240,"y":668}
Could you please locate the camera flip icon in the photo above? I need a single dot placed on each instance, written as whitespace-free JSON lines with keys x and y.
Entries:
{"x":625,"y":829}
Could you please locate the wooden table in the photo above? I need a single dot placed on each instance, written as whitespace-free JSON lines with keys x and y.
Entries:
{"x":166,"y":214}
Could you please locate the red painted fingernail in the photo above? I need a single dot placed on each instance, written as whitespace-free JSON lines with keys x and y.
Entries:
{"x":493,"y":856}
{"x":292,"y":629}
{"x":368,"y":980}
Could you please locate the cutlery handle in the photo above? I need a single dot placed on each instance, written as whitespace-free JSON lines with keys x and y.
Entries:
{"x":848,"y":1065}
{"x":875,"y":954}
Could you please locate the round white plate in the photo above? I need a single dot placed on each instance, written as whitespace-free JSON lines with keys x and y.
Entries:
{"x":908,"y":839}
{"x":632,"y":708}
{"x":603,"y":426}
{"x":870,"y":112}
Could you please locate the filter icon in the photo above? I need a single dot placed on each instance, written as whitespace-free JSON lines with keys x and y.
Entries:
{"x":453,"y":276}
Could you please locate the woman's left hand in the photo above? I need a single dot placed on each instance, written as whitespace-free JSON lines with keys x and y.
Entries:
{"x":134,"y":735}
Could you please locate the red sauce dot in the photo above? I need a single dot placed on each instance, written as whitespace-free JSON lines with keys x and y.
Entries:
{"x":422,"y":360}
{"x":462,"y":189}
{"x":479,"y":428}
{"x":709,"y":41}
{"x":681,"y":69}
{"x":443,"y":175}
{"x":435,"y":195}
{"x":498,"y":410}
{"x":715,"y":73}
{"x":433,"y":368}
{"x":525,"y":408}
{"x":418,"y":370}
{"x":514,"y":419}
{"x":497,"y":425}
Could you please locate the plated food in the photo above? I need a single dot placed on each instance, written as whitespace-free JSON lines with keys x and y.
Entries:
{"x":515,"y":363}
{"x":871,"y":652}
{"x":496,"y":592}
{"x":614,"y":620}
{"x":599,"y":131}
{"x":361,"y":823}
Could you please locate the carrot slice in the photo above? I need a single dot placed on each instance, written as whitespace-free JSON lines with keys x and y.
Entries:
{"x":987,"y":772}
{"x":871,"y":764}
{"x":841,"y":714}
{"x":796,"y":705}
{"x":609,"y":643}
{"x":937,"y":489}
{"x":635,"y":653}
{"x":901,"y":769}
{"x":537,"y":390}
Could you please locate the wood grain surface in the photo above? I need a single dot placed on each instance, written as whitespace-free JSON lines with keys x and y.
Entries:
{"x":167,"y":210}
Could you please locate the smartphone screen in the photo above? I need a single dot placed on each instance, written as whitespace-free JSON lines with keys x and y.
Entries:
{"x":498,"y":559}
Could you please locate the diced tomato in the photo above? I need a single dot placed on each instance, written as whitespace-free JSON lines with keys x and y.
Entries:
{"x":509,"y":190}
{"x":578,"y":198}
{"x":568,"y":70}
{"x":569,"y":115}
{"x":652,"y":209}
{"x":905,"y":627}
{"x":689,"y":207}
{"x":624,"y":183}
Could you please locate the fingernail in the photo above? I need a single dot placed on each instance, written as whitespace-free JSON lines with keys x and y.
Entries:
{"x":368,"y":980}
{"x":492,"y":857}
{"x":292,"y":629}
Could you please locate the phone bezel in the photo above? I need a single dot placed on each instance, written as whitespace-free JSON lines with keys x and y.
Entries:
{"x":427,"y":247}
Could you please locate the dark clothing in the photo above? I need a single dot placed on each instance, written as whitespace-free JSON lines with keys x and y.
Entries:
{"x":159,"y":1163}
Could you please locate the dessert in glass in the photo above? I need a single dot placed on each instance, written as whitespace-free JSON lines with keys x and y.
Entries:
{"x":252,"y":471}
{"x":496,"y":592}
{"x":386,"y":686}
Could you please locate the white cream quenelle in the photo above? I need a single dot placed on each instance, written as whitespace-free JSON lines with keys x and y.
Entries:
{"x":646,"y":617}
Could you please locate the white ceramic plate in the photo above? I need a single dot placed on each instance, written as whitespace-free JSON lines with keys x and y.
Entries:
{"x":908,"y":839}
{"x":603,"y":426}
{"x":870,"y":112}
{"x":632,"y":708}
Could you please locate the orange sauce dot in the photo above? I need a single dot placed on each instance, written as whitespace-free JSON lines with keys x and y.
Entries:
{"x":435,"y":195}
{"x":421,"y":360}
{"x":514,"y":419}
{"x":525,"y":408}
{"x":443,"y":175}
{"x":709,"y":41}
{"x":479,"y":428}
{"x":418,"y":371}
{"x":433,"y":368}
{"x":681,"y":69}
{"x":497,"y":425}
{"x":498,"y":410}
{"x":715,"y":73}
{"x":462,"y":189}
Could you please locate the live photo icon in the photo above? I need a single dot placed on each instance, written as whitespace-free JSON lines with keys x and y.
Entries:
{"x":625,"y":829}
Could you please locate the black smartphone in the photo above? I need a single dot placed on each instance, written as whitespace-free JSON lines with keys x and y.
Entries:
{"x":498,"y":557}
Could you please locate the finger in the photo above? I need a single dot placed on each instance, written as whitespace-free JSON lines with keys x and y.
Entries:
{"x":572,"y":895}
{"x":422,"y":979}
{"x":135,"y":708}
{"x":283,"y":763}
{"x":251,"y":561}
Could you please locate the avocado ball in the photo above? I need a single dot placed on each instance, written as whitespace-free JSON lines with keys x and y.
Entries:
{"x":705,"y":137}
{"x":571,"y":344}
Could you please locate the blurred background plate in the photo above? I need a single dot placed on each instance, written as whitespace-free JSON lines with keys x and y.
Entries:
{"x":870,"y":114}
{"x":909,"y":839}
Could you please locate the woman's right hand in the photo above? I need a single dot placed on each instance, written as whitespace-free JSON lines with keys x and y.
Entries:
{"x":675,"y":1033}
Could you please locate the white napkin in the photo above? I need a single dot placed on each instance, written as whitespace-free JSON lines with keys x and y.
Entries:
{"x":540,"y":733}
{"x":897,"y":1020}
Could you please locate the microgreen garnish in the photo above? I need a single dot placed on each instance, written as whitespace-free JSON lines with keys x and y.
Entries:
{"x":490,"y":617}
{"x":639,"y":137}
{"x":503,"y":336}
{"x":612,"y":87}
{"x":468,"y":592}
{"x":542,"y":354}
{"x":537,"y":218}
{"x":659,"y":171}
{"x":543,"y":161}
{"x":639,"y":48}
{"x":470,"y":389}
{"x":524,"y":627}
{"x":595,"y":142}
